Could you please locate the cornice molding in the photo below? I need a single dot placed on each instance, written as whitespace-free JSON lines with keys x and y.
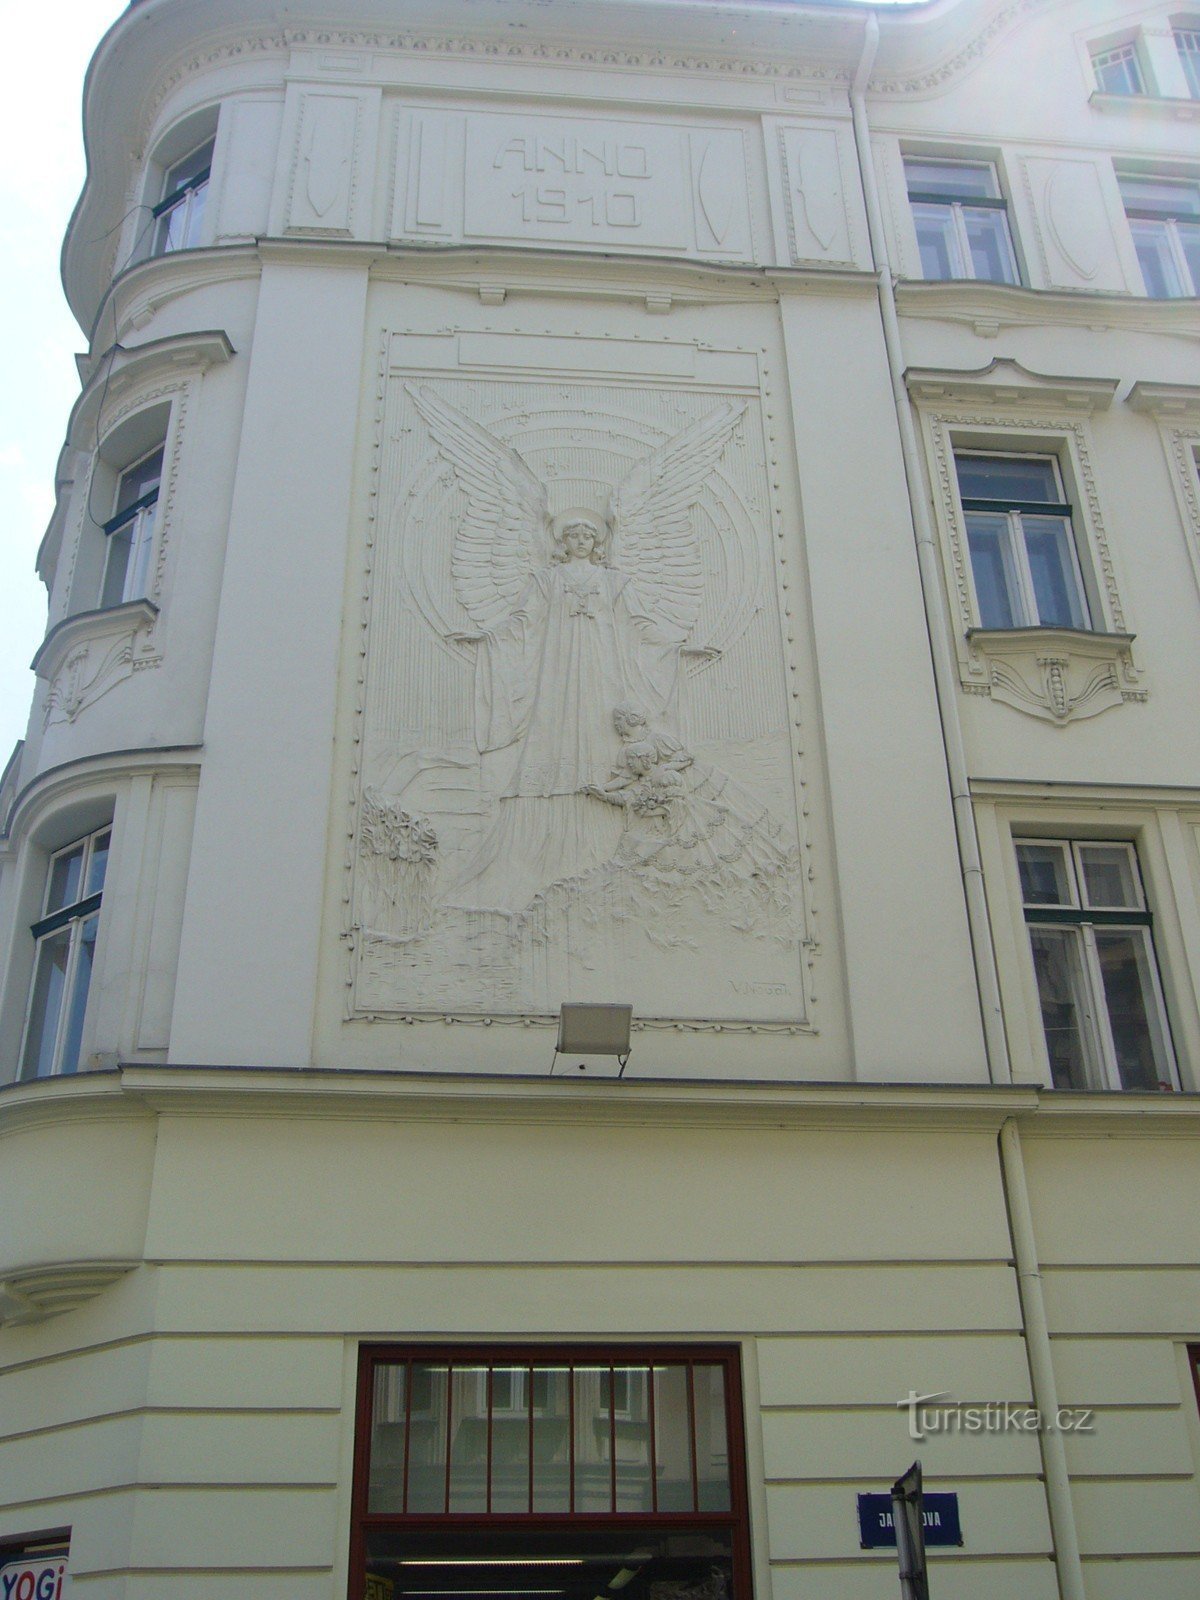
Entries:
{"x":1165,"y":399}
{"x":122,"y":369}
{"x":46,"y":1289}
{"x":88,"y":772}
{"x":988,"y":308}
{"x":1004,"y":381}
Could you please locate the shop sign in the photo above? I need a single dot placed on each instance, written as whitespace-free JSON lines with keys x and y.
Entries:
{"x":939,"y":1518}
{"x":44,"y":1579}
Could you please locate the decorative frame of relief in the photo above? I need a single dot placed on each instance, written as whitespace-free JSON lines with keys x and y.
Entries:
{"x":511,"y":841}
{"x":1059,"y":675}
{"x":1175,"y":408}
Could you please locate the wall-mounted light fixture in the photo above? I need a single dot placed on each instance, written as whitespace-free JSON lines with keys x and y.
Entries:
{"x":587,"y":1029}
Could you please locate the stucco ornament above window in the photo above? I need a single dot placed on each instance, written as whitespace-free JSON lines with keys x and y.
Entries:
{"x":1030,"y":570}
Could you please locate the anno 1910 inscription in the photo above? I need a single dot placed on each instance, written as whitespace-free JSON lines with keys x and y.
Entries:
{"x":593,"y":182}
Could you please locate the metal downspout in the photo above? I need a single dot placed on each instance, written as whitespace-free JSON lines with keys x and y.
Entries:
{"x":936,"y":615}
{"x":1041,"y":1367}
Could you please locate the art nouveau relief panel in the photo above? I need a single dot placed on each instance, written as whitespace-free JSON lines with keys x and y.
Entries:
{"x":529,"y":178}
{"x":577,"y":773}
{"x":1074,"y":237}
{"x":812,"y":170}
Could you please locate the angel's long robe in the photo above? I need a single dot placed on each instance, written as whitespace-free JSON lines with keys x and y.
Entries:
{"x":580,"y":641}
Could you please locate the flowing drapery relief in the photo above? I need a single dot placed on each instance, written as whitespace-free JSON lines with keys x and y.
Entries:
{"x":576,"y":765}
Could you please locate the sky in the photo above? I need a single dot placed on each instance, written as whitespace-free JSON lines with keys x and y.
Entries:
{"x":41,"y":172}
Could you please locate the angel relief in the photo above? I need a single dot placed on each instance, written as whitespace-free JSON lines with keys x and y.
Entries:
{"x":594,"y":811}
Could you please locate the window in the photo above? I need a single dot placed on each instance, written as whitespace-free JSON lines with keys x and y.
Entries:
{"x":179,"y":215}
{"x":583,"y":1472}
{"x":65,"y":938}
{"x":961,"y":220}
{"x":1023,"y":556}
{"x":130,"y":531}
{"x":1164,"y":219}
{"x":1093,"y":956}
{"x":1118,"y":71}
{"x":1187,"y":42}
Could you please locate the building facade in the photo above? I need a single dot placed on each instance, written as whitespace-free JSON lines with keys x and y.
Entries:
{"x":642,"y":502}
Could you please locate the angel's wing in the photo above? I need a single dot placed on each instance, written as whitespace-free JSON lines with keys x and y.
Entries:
{"x":497,"y":541}
{"x":651,"y":513}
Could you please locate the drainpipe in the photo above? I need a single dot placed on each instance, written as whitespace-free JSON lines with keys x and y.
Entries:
{"x":1041,"y":1368}
{"x":936,"y":616}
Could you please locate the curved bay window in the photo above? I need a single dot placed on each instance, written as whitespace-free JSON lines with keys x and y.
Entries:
{"x":577,"y":1474}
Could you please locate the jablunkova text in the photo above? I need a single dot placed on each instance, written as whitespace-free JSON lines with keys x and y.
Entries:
{"x":939,"y":1413}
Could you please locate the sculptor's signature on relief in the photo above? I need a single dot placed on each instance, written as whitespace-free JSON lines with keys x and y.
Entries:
{"x":740,"y":987}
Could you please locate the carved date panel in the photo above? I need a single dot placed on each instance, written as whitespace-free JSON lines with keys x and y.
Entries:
{"x":528,"y":178}
{"x":576,"y":774}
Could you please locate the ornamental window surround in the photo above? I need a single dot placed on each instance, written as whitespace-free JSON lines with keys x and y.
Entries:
{"x":1036,"y":601}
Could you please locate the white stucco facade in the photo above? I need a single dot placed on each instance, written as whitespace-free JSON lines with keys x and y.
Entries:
{"x":450,"y":281}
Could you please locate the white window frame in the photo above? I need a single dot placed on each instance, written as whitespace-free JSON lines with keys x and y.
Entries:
{"x":142,"y":526}
{"x":1166,"y":226}
{"x":1119,"y":53}
{"x":75,"y":915}
{"x":1096,"y":1031}
{"x":182,"y":200}
{"x":954,"y":206}
{"x":1026,"y":593}
{"x":1187,"y":45}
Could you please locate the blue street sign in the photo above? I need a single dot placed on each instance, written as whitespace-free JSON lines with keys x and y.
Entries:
{"x":940,"y":1520}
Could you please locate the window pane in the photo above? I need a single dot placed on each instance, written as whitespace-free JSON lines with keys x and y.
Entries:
{"x":385,"y":1491}
{"x":633,"y":1439}
{"x":1058,"y":963}
{"x":139,"y":480}
{"x":1132,"y":1014}
{"x":962,"y":179}
{"x":940,"y":256}
{"x":672,"y":1438}
{"x":116,"y":565}
{"x":991,"y":249}
{"x":1011,"y":478}
{"x":1052,"y":567}
{"x":712,"y":1438}
{"x":1109,"y":879}
{"x":1189,"y":243}
{"x":1118,"y":71}
{"x":1166,"y":195}
{"x":77,"y":1000}
{"x":1045,"y":876}
{"x":989,"y":536}
{"x":510,"y":1440}
{"x":1187,"y":42}
{"x":1159,"y":272}
{"x":428,"y":1437}
{"x":468,"y":1444}
{"x":551,"y":1440}
{"x":65,"y":874}
{"x":190,"y":167}
{"x":593,"y":1440}
{"x":48,"y":984}
{"x":98,"y":864}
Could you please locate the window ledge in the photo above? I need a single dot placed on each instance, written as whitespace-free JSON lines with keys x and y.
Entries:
{"x":84,"y":626}
{"x":84,"y":656}
{"x":1057,"y":674}
{"x":1182,"y":108}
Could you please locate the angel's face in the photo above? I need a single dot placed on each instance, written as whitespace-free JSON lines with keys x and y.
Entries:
{"x":579,"y":540}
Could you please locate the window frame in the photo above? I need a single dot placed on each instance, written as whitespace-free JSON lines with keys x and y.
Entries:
{"x":1101,"y":1063}
{"x":736,"y":1520}
{"x":1167,"y":223}
{"x":182,"y":196}
{"x":74,"y":915}
{"x":954,"y":204}
{"x":1015,"y":510}
{"x":141,"y":517}
{"x":1187,"y":48}
{"x":1126,"y":51}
